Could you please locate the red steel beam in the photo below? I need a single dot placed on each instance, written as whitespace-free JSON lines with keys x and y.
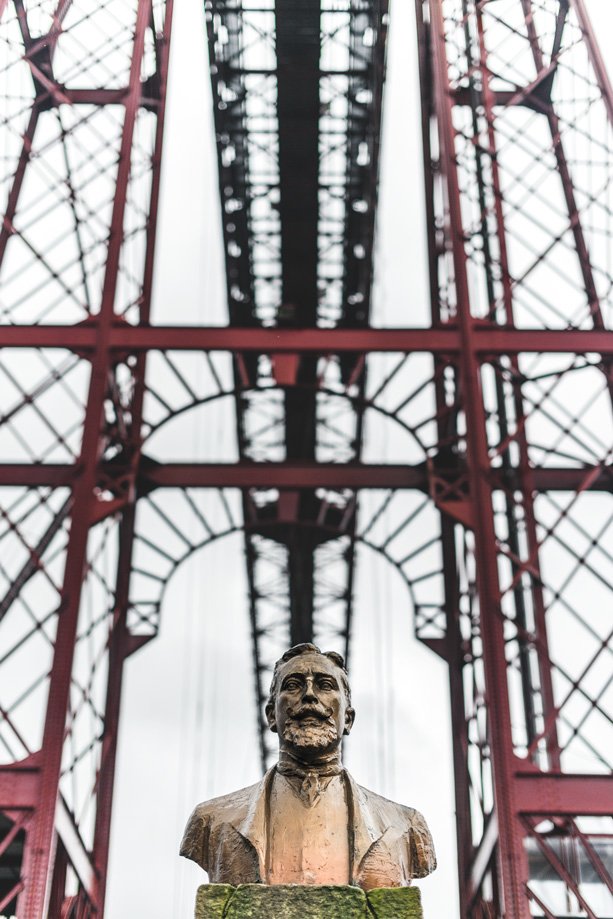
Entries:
{"x":119,"y":639}
{"x":512,"y":859}
{"x":287,"y":475}
{"x":551,"y":794}
{"x":526,"y":485}
{"x":292,"y":475}
{"x":487,"y":340}
{"x":454,"y":651}
{"x":595,"y":55}
{"x":33,"y":475}
{"x":564,"y":794}
{"x":6,"y":230}
{"x":516,"y":793}
{"x":352,"y":476}
{"x":19,"y":786}
{"x":38,"y":861}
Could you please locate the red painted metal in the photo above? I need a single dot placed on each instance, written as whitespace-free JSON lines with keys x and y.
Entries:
{"x":512,"y":860}
{"x":119,"y":638}
{"x":19,"y":787}
{"x":41,"y":850}
{"x":558,"y":794}
{"x":481,"y":278}
{"x":595,"y":55}
{"x":488,"y":340}
{"x":149,"y":475}
{"x":504,"y":464}
{"x":56,"y":834}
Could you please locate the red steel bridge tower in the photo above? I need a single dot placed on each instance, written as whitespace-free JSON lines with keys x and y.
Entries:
{"x":497,"y":511}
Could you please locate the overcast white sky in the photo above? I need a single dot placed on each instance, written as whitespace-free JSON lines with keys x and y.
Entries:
{"x":188,"y":729}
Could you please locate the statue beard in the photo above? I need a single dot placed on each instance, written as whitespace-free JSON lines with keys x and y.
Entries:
{"x":320,"y":735}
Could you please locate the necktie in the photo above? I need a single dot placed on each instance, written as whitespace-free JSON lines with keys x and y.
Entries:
{"x":310,"y":788}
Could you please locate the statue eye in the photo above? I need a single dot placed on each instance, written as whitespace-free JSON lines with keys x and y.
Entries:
{"x":327,"y":684}
{"x":291,"y":684}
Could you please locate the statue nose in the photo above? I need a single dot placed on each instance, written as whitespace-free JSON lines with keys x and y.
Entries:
{"x":309,"y":693}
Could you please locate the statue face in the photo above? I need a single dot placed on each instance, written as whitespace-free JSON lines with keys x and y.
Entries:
{"x":310,"y":711}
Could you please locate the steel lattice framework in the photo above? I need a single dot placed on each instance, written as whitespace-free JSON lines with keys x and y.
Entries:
{"x":518,"y":143}
{"x":297,"y":100}
{"x":84,"y":90}
{"x":495,"y":508}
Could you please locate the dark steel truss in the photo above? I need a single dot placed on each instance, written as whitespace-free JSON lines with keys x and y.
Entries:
{"x":297,"y":90}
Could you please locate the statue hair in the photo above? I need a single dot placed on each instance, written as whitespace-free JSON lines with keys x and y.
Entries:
{"x":309,"y":648}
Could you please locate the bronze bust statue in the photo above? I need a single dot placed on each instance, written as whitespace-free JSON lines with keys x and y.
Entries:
{"x":307,"y":821}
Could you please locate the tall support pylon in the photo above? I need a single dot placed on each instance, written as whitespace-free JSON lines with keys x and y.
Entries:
{"x":84,"y":120}
{"x":518,"y":155}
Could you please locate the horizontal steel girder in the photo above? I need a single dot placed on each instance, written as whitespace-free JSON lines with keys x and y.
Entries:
{"x":563,"y":794}
{"x":293,"y":475}
{"x":489,"y":340}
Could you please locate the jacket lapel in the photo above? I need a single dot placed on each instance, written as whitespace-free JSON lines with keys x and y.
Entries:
{"x":253,"y":826}
{"x":366,"y":828}
{"x":365,"y":825}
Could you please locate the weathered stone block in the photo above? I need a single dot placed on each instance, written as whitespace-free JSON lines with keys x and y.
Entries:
{"x":259,"y":901}
{"x":211,"y":900}
{"x":395,"y":903}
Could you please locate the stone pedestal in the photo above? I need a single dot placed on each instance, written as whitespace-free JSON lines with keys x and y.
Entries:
{"x":258,"y":901}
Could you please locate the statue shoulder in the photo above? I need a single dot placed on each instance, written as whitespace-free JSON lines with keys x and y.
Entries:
{"x":403,"y":822}
{"x":230,"y":808}
{"x":225,"y":806}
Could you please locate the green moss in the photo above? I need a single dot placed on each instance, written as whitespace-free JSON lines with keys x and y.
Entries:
{"x":395,"y":903}
{"x":211,"y":900}
{"x":258,"y":901}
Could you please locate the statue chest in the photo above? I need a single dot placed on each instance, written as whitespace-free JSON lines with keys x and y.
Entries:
{"x":308,"y":838}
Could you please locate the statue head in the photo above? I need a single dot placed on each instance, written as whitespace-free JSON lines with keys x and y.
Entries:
{"x":309,"y":705}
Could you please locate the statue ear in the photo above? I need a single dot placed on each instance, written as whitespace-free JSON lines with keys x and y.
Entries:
{"x":349,"y":719}
{"x":270,"y":717}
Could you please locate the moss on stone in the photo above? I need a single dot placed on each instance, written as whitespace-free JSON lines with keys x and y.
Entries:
{"x":259,"y":901}
{"x":395,"y":903}
{"x":211,"y":900}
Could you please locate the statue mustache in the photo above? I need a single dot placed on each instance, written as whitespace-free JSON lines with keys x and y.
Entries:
{"x":309,"y":711}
